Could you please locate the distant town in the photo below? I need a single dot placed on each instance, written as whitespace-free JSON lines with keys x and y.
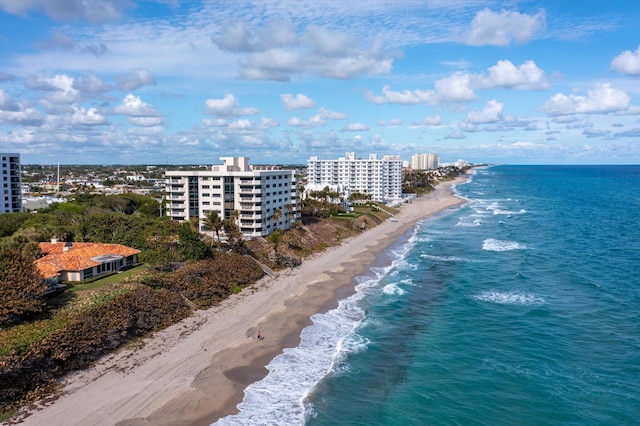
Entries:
{"x":251,"y":192}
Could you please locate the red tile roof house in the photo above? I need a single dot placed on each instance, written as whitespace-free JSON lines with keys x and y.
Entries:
{"x":77,"y":262}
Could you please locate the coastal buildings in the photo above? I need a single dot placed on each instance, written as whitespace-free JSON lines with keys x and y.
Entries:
{"x":261,"y":198}
{"x":379,"y":177}
{"x":424,"y":162}
{"x":71,"y":261}
{"x":11,"y":183}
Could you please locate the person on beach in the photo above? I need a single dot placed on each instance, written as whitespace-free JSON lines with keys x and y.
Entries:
{"x":259,"y":335}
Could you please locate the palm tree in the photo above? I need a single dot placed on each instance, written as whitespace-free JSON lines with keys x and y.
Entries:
{"x":289,"y":209}
{"x":212,"y":222}
{"x":276,"y":216}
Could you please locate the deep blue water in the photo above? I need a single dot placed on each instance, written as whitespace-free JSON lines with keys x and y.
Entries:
{"x":521,"y":307}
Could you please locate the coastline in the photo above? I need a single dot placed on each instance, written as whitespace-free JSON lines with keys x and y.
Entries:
{"x":195,"y":372}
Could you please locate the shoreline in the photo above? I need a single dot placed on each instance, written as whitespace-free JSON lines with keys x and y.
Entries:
{"x":195,"y":372}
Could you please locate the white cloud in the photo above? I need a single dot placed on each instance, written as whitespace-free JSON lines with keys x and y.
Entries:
{"x":453,"y":89}
{"x":299,"y":101}
{"x":505,"y":74}
{"x":266,"y":123}
{"x":89,"y":83}
{"x":432,"y":121}
{"x":138,"y":112}
{"x":216,"y":122}
{"x":68,"y":10}
{"x":355,"y":127}
{"x":491,"y":113}
{"x":315,"y":121}
{"x":331,"y":115}
{"x":504,"y":28}
{"x":455,"y":135}
{"x":277,"y":52}
{"x":601,"y":100}
{"x":60,"y":88}
{"x":90,"y":117}
{"x":241,"y":124}
{"x":627,"y":62}
{"x":228,"y":106}
{"x":135,"y":79}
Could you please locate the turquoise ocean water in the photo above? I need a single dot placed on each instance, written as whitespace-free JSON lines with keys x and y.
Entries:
{"x":520,"y":307}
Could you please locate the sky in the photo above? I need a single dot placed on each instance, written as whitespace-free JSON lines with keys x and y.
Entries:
{"x":188,"y":82}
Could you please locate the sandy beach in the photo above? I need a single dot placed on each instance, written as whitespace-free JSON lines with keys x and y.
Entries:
{"x":194,"y":372}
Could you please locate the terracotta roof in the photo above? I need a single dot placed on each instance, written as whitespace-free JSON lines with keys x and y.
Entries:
{"x":77,"y":258}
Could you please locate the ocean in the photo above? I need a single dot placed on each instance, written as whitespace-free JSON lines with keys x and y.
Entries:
{"x":522,"y":306}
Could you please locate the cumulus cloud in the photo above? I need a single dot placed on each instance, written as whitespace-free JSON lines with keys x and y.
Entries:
{"x":453,"y":89}
{"x":60,"y":87}
{"x":138,"y":112}
{"x":228,"y":106}
{"x":504,"y":28}
{"x":267,"y":123}
{"x":459,"y":87}
{"x":299,"y":101}
{"x":355,"y":127}
{"x":601,"y":100}
{"x":12,"y":112}
{"x":6,"y":76}
{"x":506,"y":75}
{"x":238,"y":37}
{"x":89,"y":83}
{"x":318,"y":120}
{"x":69,"y":10}
{"x":455,"y":135}
{"x":90,"y":117}
{"x":135,"y":79}
{"x":278,"y":52}
{"x":627,"y":62}
{"x":491,"y":113}
{"x":432,"y":121}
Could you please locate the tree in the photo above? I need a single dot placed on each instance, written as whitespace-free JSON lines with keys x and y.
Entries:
{"x":190,"y":246}
{"x":276,"y":217}
{"x":212,"y":222}
{"x":22,"y":288}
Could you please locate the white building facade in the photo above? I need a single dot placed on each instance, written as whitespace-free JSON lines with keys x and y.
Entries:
{"x":10,"y":183}
{"x":265,"y":198}
{"x":379,"y":177}
{"x":424,"y":162}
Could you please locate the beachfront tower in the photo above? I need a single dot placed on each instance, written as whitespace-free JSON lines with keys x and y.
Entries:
{"x":11,"y":183}
{"x":260,"y":198}
{"x":424,"y":161}
{"x":379,"y":177}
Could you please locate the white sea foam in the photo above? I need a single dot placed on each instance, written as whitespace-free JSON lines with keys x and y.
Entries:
{"x":279,"y":398}
{"x":446,"y":258}
{"x":393,"y":289}
{"x":469,"y":221}
{"x":509,"y":298}
{"x":492,"y":244}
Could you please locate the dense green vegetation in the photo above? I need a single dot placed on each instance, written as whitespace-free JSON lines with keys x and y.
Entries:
{"x":42,"y":339}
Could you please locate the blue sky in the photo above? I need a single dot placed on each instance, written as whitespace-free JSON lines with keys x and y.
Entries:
{"x":187,"y":82}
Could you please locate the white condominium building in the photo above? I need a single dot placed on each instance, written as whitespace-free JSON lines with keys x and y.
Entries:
{"x":380,"y":178}
{"x":261,"y":199}
{"x":11,"y":183}
{"x":424,"y":161}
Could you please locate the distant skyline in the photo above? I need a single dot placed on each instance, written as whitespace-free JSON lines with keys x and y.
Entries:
{"x":187,"y":82}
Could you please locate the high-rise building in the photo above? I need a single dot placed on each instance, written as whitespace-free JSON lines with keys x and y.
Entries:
{"x":261,"y":198}
{"x":11,"y":183}
{"x":379,"y":177}
{"x":424,"y":162}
